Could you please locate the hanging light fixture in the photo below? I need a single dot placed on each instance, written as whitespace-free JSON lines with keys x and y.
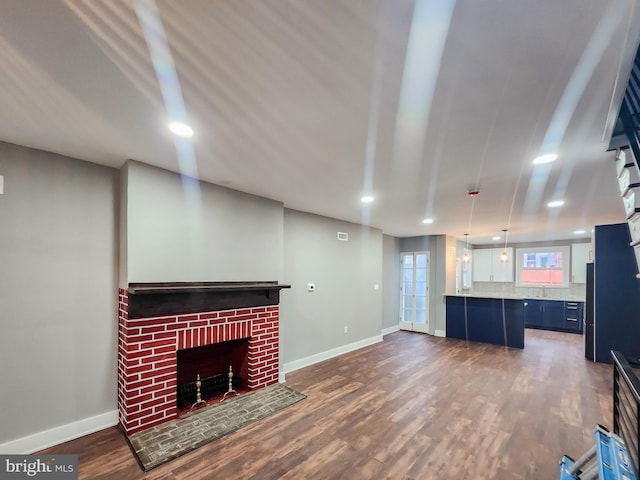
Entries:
{"x":466,"y":258}
{"x":504,"y":258}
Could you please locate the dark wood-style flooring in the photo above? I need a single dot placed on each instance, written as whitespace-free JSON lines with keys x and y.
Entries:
{"x":411,"y":407}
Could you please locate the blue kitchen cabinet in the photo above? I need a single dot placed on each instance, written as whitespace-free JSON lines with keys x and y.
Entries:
{"x":574,"y":315}
{"x":533,"y":313}
{"x":556,"y":315}
{"x":553,"y":315}
{"x":488,"y":320}
{"x":616,"y":293}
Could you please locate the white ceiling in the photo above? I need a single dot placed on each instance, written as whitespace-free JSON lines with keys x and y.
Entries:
{"x":315,"y":102}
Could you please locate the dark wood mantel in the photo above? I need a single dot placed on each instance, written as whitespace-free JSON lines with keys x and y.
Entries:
{"x":173,"y":298}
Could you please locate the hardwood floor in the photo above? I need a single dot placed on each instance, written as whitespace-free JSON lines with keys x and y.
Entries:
{"x":411,"y":407}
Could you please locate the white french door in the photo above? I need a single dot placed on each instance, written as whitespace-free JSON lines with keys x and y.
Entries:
{"x":414,"y":291}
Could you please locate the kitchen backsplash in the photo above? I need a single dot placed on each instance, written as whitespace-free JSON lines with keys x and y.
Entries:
{"x":576,"y":291}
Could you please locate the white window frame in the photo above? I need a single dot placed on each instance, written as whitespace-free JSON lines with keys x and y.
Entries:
{"x":566,"y":264}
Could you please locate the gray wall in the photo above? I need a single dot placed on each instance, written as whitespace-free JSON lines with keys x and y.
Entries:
{"x":416,"y":244}
{"x":179,"y":229}
{"x":344,"y":274}
{"x":445,"y":277}
{"x":58,"y":278}
{"x":123,"y":270}
{"x":390,"y":281}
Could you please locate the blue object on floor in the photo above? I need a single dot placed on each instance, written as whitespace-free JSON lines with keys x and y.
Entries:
{"x":612,"y":460}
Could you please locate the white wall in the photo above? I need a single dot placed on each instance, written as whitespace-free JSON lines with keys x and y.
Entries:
{"x":344,"y":274}
{"x":179,"y":229}
{"x":58,"y":278}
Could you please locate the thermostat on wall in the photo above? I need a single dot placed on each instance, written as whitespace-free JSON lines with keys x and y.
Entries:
{"x":344,"y":236}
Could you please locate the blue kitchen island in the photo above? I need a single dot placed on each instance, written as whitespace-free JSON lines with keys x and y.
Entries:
{"x":499,"y":321}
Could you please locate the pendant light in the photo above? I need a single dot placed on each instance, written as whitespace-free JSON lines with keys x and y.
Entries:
{"x":504,"y":258}
{"x":465,"y":256}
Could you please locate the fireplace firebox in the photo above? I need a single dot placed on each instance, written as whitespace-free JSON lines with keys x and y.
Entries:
{"x":212,"y":363}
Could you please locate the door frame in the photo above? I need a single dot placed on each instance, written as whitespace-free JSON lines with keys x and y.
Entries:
{"x":414,"y":326}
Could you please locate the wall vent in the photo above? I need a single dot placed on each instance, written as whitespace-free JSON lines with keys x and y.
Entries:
{"x":344,"y":236}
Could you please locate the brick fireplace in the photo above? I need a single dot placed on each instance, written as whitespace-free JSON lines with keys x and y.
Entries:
{"x":157,"y":320}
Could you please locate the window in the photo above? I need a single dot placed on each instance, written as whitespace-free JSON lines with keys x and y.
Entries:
{"x":542,"y":266}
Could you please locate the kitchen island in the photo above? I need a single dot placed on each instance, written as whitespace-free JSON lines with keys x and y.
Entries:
{"x":487,"y":319}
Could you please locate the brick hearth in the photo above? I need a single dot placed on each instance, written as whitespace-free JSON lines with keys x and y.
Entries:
{"x":147,"y":355}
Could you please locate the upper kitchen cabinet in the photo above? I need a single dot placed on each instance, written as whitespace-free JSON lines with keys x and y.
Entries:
{"x":488,"y":267}
{"x":581,"y":254}
{"x":481,"y":265}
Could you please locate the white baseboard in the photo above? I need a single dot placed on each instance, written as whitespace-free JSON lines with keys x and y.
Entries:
{"x":320,"y":357}
{"x":388,"y":330}
{"x":54,"y":436}
{"x":440,"y":333}
{"x":282,"y":377}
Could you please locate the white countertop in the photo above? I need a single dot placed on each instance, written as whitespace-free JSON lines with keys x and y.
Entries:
{"x":513,"y":297}
{"x":485,"y":295}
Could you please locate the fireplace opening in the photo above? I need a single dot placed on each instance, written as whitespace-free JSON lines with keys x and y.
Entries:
{"x":212,"y":363}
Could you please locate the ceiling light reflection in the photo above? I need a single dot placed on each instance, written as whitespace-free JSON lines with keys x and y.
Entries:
{"x":181,"y":129}
{"x":548,"y":158}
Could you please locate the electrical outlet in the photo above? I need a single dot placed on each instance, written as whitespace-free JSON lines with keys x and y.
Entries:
{"x":346,"y":329}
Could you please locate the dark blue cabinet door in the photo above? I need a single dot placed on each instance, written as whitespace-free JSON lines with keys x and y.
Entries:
{"x":553,"y":316}
{"x":456,"y":317}
{"x":484,"y":320}
{"x":514,"y":316}
{"x":533,"y":313}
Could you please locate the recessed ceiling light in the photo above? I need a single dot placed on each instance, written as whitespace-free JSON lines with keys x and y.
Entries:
{"x":555,"y":203}
{"x":547,"y":158}
{"x":366,"y":199}
{"x":181,"y":129}
{"x":495,"y":238}
{"x":579,"y":232}
{"x":427,"y":221}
